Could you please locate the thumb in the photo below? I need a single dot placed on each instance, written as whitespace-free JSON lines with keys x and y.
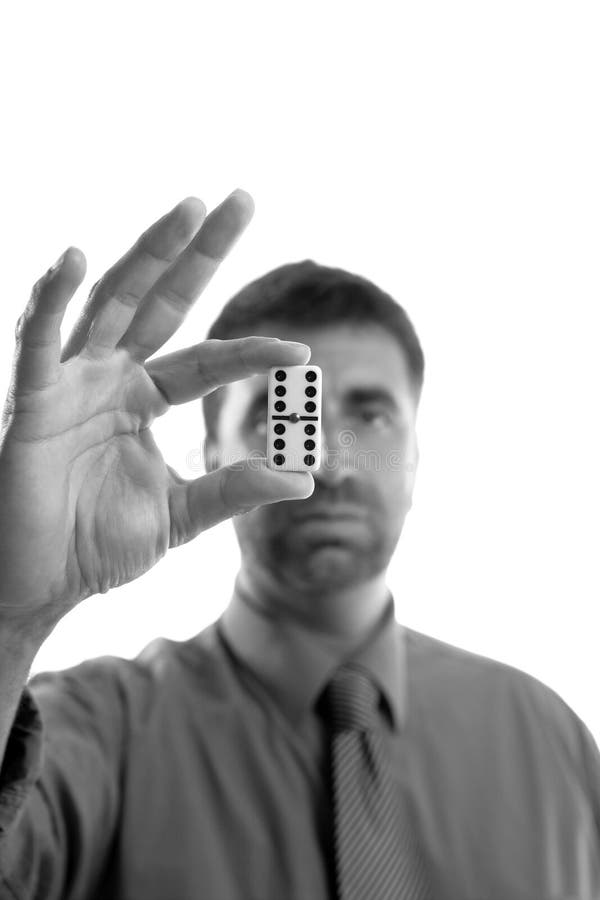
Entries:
{"x":200,"y":503}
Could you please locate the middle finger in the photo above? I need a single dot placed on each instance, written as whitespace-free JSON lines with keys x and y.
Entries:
{"x":170,"y":299}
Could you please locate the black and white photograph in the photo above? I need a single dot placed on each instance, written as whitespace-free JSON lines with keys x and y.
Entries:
{"x":300,"y":451}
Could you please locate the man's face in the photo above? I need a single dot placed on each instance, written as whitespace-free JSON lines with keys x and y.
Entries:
{"x":347,"y":530}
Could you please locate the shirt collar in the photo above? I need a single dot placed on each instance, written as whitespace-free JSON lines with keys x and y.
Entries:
{"x":295,"y":663}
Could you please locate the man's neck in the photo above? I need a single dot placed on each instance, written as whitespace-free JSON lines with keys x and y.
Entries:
{"x":343,"y":615}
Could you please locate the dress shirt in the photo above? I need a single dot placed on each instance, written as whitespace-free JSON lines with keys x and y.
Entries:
{"x":198,"y":771}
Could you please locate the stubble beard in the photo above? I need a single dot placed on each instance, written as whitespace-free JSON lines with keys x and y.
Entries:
{"x":327,"y":566}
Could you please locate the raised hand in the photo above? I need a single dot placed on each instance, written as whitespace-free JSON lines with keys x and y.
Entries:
{"x":87,"y":501}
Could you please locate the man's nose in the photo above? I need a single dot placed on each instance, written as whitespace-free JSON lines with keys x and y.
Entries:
{"x":335,"y":462}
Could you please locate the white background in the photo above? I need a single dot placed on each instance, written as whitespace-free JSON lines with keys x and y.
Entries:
{"x":449,"y":152}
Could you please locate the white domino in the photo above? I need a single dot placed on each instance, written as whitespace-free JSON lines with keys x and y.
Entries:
{"x":294,"y":418}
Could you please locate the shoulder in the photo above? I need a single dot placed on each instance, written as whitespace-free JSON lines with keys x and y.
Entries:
{"x":449,"y":676}
{"x":108,"y":685}
{"x":449,"y":665}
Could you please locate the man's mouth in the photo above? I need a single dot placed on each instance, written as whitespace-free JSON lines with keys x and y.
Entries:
{"x":331,"y":512}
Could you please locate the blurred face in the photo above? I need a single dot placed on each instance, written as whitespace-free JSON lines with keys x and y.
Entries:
{"x":347,"y":530}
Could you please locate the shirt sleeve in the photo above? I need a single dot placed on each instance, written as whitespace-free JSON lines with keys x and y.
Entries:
{"x":60,"y":783}
{"x":590,"y":755}
{"x":578,"y":752}
{"x":22,"y":760}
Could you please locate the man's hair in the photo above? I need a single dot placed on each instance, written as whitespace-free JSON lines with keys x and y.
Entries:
{"x":309,"y":294}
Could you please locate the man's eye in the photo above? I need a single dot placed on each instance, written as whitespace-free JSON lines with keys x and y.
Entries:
{"x":373,"y":416}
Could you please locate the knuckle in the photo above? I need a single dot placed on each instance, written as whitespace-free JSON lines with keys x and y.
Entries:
{"x":203,"y":378}
{"x":179,"y":517}
{"x":224,"y":480}
{"x":234,"y":490}
{"x":245,"y":351}
{"x":33,"y":342}
{"x":145,"y":248}
{"x":173,"y":298}
{"x":23,"y":330}
{"x":95,"y":288}
{"x":39,"y":286}
{"x":94,"y":300}
{"x":126,"y":298}
{"x":207,"y":364}
{"x":164,"y":401}
{"x":228,"y":493}
{"x":8,"y":410}
{"x":208,"y":249}
{"x":19,"y":327}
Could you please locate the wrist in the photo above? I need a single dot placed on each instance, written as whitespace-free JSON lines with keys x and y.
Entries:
{"x":22,"y":634}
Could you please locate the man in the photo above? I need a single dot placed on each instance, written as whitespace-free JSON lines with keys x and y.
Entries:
{"x":220,"y":767}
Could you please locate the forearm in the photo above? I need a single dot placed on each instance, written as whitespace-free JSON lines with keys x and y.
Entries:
{"x":18,"y":648}
{"x":60,"y":785}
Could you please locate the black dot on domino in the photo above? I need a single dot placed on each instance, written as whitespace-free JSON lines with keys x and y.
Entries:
{"x":309,"y":407}
{"x":308,"y":445}
{"x":279,"y":459}
{"x":310,"y":391}
{"x":309,"y":429}
{"x":311,"y":375}
{"x":280,"y":406}
{"x":280,"y":428}
{"x":279,"y":444}
{"x":280,"y":390}
{"x":309,"y":460}
{"x":280,"y":375}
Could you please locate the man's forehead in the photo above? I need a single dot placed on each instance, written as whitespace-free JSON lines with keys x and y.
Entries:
{"x":350,"y":356}
{"x":344,"y":346}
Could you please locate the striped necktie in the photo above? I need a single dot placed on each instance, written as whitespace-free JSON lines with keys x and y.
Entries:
{"x":376,"y":853}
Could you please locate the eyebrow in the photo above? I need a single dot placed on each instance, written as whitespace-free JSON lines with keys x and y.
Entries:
{"x":373,"y":394}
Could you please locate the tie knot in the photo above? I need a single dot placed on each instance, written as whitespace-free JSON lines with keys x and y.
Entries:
{"x":351,"y":698}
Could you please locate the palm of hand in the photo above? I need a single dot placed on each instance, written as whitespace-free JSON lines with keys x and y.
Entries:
{"x":82,"y":455}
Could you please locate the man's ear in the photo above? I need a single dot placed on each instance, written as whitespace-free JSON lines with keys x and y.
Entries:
{"x":211,"y":455}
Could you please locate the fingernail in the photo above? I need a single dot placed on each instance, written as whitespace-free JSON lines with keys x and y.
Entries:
{"x":297,"y":344}
{"x":244,"y":196}
{"x":194,"y":203}
{"x":57,"y":264}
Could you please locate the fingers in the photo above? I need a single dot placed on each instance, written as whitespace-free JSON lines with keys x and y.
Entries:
{"x":114,"y":299}
{"x":170,"y":299}
{"x":203,"y":502}
{"x":37,"y":356}
{"x":196,"y":371}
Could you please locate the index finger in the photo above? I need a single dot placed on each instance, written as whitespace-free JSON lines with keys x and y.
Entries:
{"x":195,"y":371}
